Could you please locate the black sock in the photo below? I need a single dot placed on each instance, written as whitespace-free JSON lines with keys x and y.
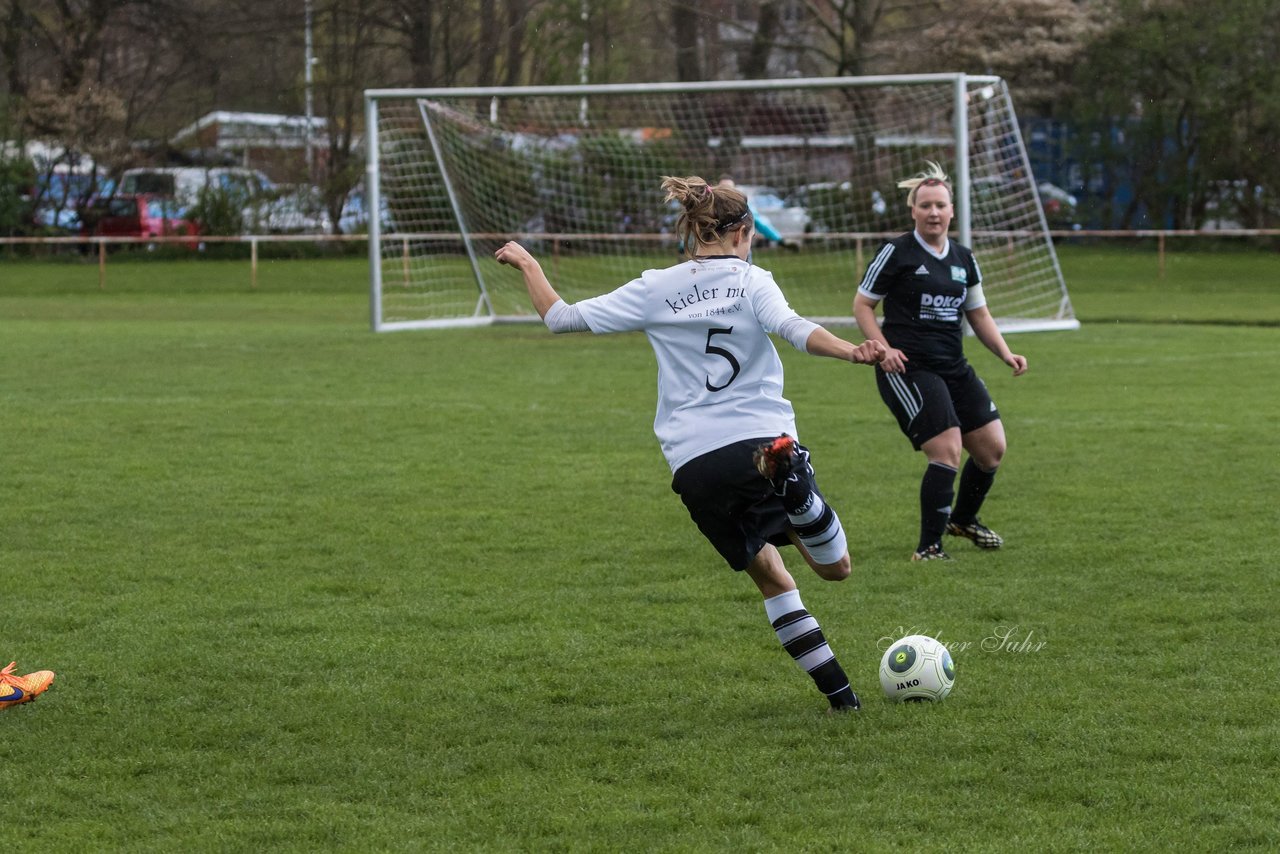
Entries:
{"x":802,"y":638}
{"x":937,"y":489}
{"x":974,"y":486}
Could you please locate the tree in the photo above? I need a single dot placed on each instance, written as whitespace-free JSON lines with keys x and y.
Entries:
{"x":517,"y":13}
{"x":52,"y":55}
{"x":12,"y":33}
{"x":850,"y":33}
{"x":1183,"y":90}
{"x":440,"y":40}
{"x":85,"y":123}
{"x":76,"y":31}
{"x":1033,"y":44}
{"x":854,"y":35}
{"x":347,"y":33}
{"x":140,"y":52}
{"x":684,"y":26}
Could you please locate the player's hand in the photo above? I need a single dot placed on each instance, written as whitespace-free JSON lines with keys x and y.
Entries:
{"x":514,"y":254}
{"x":1018,"y":363}
{"x":868,"y":353}
{"x":894,"y":361}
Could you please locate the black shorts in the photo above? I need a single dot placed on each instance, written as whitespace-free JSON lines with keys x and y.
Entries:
{"x":731,"y":503}
{"x":927,"y":404}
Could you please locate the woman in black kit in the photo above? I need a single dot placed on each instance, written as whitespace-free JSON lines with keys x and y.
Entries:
{"x":927,"y":284}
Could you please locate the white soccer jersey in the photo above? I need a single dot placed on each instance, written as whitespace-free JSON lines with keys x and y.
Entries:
{"x":719,"y":375}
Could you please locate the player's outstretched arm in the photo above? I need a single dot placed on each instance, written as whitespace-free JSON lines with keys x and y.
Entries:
{"x":823,"y":343}
{"x":894,"y":361}
{"x":985,"y":328}
{"x":535,"y":281}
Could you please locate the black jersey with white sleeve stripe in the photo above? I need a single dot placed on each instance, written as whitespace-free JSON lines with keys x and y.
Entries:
{"x":925,"y":295}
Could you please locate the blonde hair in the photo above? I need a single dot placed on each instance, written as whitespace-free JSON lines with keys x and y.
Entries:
{"x":931,"y":175}
{"x":706,"y":212}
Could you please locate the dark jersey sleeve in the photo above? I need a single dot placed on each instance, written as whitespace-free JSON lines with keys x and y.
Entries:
{"x":875,"y":283}
{"x":921,"y":298}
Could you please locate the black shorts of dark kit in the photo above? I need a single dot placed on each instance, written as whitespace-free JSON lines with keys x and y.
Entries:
{"x":731,"y":503}
{"x":927,"y":404}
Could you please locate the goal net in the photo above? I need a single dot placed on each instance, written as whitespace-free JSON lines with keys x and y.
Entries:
{"x":573,"y":172}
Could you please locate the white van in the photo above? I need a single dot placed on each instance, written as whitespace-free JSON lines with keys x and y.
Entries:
{"x":184,"y":183}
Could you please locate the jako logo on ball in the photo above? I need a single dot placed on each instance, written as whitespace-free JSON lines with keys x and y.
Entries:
{"x":917,"y":667}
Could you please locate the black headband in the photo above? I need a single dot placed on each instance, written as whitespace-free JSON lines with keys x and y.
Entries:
{"x":729,"y":223}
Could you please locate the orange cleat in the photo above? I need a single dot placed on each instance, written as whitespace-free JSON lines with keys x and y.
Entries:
{"x":16,"y":689}
{"x":775,"y":460}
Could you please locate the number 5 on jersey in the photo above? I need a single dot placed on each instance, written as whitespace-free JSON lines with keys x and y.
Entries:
{"x":724,"y":354}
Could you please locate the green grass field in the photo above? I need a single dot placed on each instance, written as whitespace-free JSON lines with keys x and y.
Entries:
{"x":311,"y":588}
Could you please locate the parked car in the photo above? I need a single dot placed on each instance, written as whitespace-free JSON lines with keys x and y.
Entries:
{"x":790,"y":222}
{"x":59,"y":196}
{"x":58,"y":185}
{"x":1060,"y":207}
{"x":833,"y":206}
{"x":999,"y":192}
{"x":355,"y":215}
{"x":264,"y":207}
{"x":140,"y":215}
{"x":286,"y":209}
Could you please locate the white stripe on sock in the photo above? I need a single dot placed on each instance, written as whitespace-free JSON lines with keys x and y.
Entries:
{"x":810,"y":514}
{"x":803,"y":626}
{"x":815,"y":658}
{"x":832,"y":550}
{"x":784,"y":603}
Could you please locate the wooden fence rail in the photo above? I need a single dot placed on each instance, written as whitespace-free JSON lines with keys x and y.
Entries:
{"x":860,"y":238}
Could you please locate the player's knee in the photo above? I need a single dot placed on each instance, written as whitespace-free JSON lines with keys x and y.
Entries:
{"x":945,"y":449}
{"x":947,"y":456}
{"x":837,"y":571}
{"x":989,"y":459}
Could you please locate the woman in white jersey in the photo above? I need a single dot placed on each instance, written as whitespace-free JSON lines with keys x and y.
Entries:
{"x":927,"y":284}
{"x":724,"y":426}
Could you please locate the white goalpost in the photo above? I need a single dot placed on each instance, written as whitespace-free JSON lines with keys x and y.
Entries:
{"x":574,"y":172}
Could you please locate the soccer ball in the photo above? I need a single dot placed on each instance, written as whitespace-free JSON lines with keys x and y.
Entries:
{"x":917,"y":668}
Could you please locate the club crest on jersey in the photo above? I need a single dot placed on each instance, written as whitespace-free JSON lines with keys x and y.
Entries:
{"x":959,"y":274}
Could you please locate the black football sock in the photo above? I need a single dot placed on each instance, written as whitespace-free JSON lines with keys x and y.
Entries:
{"x":974,"y":486}
{"x":802,"y":638}
{"x":937,"y":489}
